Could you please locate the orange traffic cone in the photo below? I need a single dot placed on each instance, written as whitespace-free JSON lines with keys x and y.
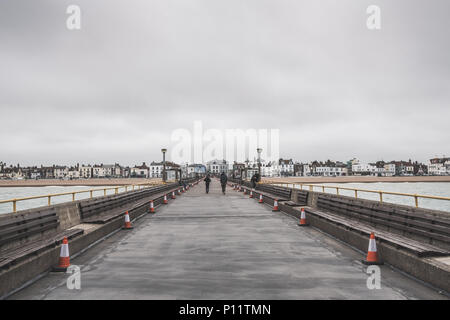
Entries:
{"x":64,"y":259}
{"x":302,"y":222}
{"x":275,"y":206}
{"x":372,"y":255}
{"x":152,"y":208}
{"x":165,"y":199}
{"x":127,"y":225}
{"x":173,"y":194}
{"x":260,"y":198}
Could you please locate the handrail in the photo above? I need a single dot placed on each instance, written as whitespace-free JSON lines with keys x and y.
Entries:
{"x":73,"y":193}
{"x":356,"y":190}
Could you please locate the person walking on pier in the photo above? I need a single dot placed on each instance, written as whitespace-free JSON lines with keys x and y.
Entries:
{"x":207,"y":182}
{"x":223,"y":181}
{"x":254,"y":180}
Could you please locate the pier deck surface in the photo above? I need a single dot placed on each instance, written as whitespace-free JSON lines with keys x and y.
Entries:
{"x":219,"y":246}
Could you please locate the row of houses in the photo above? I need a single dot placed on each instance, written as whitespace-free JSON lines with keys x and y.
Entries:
{"x":282,"y":167}
{"x":87,"y":171}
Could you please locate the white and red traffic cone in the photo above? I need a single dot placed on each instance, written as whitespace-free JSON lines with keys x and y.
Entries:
{"x":275,"y":206}
{"x":165,"y":201}
{"x":127,"y":225}
{"x":152,"y":207}
{"x":173,"y":195}
{"x":372,"y":254}
{"x":251,"y":194}
{"x":260,"y":198}
{"x":302,"y":222}
{"x":64,"y":257}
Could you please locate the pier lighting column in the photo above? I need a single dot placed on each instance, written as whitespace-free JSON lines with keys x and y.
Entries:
{"x":259,"y":150}
{"x":164,"y":176}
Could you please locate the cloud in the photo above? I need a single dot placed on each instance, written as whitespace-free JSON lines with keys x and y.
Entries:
{"x":137,"y":70}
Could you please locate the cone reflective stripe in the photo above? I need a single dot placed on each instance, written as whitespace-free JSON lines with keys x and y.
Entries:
{"x":64,"y":259}
{"x":372,"y":254}
{"x":260,"y":198}
{"x":165,"y":199}
{"x":302,"y":218}
{"x":275,"y":205}
{"x":152,"y":208}
{"x":127,"y":221}
{"x":173,"y":194}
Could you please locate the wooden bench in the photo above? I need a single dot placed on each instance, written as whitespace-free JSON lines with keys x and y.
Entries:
{"x":270,"y":193}
{"x":395,"y":219}
{"x":398,"y":241}
{"x":22,"y":235}
{"x":279,"y":192}
{"x":106,"y":209}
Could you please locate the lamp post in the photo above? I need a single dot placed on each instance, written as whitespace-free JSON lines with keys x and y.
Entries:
{"x":164,"y":164}
{"x":259,"y":150}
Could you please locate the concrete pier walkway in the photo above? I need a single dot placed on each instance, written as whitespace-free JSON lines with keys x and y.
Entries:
{"x":219,"y":246}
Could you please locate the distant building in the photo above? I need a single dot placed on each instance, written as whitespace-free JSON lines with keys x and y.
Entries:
{"x":286,"y":167}
{"x":217,"y":166}
{"x":238,"y":169}
{"x":141,"y":171}
{"x":195,"y":170}
{"x":156,"y":168}
{"x":439,"y":166}
{"x":85,"y":171}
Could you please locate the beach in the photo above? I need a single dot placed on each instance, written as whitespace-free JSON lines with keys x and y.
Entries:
{"x":77,"y":182}
{"x":356,"y":179}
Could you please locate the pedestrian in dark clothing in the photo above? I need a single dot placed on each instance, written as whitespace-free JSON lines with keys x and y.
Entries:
{"x":207,"y":182}
{"x":223,"y":181}
{"x":253,"y":180}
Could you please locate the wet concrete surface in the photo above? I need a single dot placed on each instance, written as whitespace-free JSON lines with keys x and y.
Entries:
{"x":215,"y":246}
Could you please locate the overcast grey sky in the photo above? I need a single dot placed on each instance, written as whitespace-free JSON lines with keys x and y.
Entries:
{"x":137,"y":70}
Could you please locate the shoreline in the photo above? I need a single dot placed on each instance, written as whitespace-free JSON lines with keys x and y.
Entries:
{"x":71,"y":183}
{"x":306,"y":180}
{"x":357,"y":179}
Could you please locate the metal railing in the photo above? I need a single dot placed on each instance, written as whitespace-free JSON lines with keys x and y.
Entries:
{"x":116,"y":189}
{"x":416,"y":197}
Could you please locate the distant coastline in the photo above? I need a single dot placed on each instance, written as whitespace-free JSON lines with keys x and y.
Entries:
{"x":78,"y":182}
{"x":358,"y":179}
{"x":129,"y":181}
